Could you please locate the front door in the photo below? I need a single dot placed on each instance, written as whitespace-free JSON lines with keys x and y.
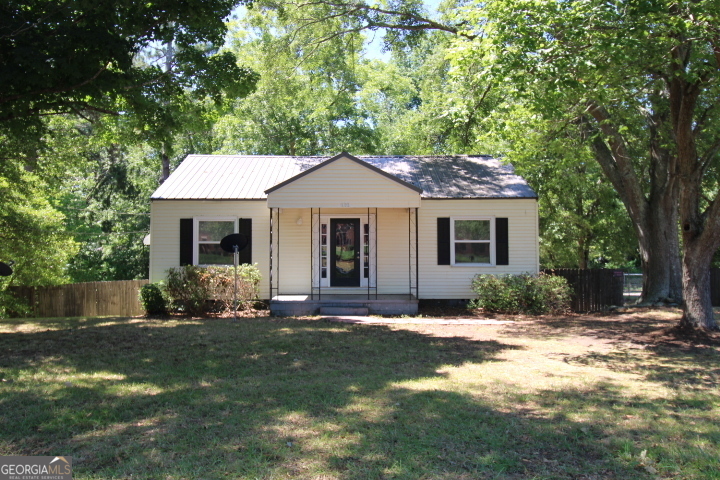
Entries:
{"x":345,"y":252}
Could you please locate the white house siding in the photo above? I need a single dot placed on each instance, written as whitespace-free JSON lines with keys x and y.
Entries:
{"x":295,"y":249}
{"x":394,"y":266}
{"x":436,"y":281}
{"x":343,"y":184}
{"x":165,"y":231}
{"x":292,"y":252}
{"x":453,"y":282}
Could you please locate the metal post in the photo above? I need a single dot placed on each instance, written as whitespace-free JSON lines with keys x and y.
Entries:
{"x":271,"y":254}
{"x":368,"y":255}
{"x":377,"y":220}
{"x":235,"y":263}
{"x":312,"y":260}
{"x":409,"y":255}
{"x":277,"y":282}
{"x":417,"y":256}
{"x":320,"y":254}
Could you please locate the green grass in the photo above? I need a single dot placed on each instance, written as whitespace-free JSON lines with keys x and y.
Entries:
{"x":271,"y":399}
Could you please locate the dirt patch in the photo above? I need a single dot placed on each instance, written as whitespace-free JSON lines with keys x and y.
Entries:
{"x":644,"y":327}
{"x":679,"y":336}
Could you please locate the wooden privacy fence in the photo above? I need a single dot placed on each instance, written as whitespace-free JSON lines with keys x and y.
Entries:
{"x":593,"y":290}
{"x":89,"y":299}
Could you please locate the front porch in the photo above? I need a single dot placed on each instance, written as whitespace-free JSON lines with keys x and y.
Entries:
{"x":343,"y":241}
{"x":343,"y":304}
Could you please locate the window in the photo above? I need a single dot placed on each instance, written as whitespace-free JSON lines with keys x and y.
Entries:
{"x":209,"y":234}
{"x":472,"y":241}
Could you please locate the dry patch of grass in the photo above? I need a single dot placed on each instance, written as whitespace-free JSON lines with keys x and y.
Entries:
{"x":576,"y":397}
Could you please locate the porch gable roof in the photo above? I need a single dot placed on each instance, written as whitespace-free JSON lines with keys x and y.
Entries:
{"x":349,"y":157}
{"x":343,"y":181}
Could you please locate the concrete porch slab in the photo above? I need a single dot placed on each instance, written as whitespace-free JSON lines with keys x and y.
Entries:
{"x":299,"y":305}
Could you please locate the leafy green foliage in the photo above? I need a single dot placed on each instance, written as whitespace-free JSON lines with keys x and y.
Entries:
{"x":66,"y":57}
{"x":525,"y":293}
{"x":32,"y":232}
{"x":222,"y":285}
{"x":193,"y":289}
{"x":188,"y":289}
{"x":305,"y":102}
{"x":152,"y":299}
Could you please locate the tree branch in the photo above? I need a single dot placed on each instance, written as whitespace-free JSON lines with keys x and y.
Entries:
{"x":423,"y":23}
{"x":56,"y":90}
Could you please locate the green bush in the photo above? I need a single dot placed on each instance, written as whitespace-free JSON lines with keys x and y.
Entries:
{"x":525,"y":293}
{"x":152,"y":300}
{"x":188,"y":289}
{"x":222,"y":285}
{"x":194,"y":289}
{"x":13,"y":307}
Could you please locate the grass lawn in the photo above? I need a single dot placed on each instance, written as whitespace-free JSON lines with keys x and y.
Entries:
{"x":581,"y":397}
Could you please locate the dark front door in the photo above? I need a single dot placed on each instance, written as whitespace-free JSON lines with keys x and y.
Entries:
{"x":345,"y":252}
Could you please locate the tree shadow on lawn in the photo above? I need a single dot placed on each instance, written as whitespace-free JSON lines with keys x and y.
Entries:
{"x":642,"y":326}
{"x":277,"y":398}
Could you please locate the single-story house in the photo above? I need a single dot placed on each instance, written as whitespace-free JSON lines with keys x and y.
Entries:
{"x":349,"y":234}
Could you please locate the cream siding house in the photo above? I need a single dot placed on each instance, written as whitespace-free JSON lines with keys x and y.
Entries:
{"x":351,"y":234}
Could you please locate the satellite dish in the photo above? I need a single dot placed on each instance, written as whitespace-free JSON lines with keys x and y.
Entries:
{"x":5,"y":270}
{"x":231,"y":241}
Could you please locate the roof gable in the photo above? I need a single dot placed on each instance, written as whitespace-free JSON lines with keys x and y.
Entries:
{"x":347,"y":156}
{"x":344,"y":181}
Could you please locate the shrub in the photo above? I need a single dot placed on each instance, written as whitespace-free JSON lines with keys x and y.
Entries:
{"x":194,"y":289}
{"x":188,"y":289}
{"x":222,"y":285}
{"x":525,"y":293}
{"x":152,"y":300}
{"x":12,"y":306}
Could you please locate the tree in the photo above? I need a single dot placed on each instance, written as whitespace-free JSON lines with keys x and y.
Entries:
{"x":73,"y":56}
{"x":32,"y":232}
{"x":305,"y":100}
{"x":639,"y":80}
{"x":83,"y":63}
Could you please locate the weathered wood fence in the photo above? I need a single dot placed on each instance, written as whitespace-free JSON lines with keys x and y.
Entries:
{"x":89,"y":299}
{"x":598,"y":289}
{"x":593,"y":290}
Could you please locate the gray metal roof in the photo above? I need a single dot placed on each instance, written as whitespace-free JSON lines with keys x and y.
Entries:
{"x":246,"y":177}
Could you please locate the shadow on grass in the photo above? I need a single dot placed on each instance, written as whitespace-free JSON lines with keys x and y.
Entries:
{"x":280,"y":398}
{"x":697,"y":368}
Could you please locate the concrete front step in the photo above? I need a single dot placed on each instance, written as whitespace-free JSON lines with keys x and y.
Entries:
{"x":351,"y":305}
{"x":344,"y":311}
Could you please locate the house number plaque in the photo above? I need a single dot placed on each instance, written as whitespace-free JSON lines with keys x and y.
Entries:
{"x":345,"y":205}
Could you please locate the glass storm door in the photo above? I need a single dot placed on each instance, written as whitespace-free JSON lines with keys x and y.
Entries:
{"x":345,"y":252}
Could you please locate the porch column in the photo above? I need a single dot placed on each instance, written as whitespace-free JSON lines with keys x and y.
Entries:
{"x":413,"y":218}
{"x":274,"y":252}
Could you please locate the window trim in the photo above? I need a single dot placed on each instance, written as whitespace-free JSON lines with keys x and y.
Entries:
{"x":453,"y":241}
{"x":196,"y":236}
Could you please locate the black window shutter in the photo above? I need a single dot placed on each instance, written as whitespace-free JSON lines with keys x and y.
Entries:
{"x":245,"y":228}
{"x":502,"y":255}
{"x":443,"y":241}
{"x":186,"y":241}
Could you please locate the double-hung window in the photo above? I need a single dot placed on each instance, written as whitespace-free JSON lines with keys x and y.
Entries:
{"x":472,"y":241}
{"x":209,"y":232}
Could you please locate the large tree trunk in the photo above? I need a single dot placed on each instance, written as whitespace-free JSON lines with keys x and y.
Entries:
{"x":165,"y":159}
{"x":654,"y":216}
{"x":660,"y":250}
{"x":700,"y":229}
{"x":698,"y":311}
